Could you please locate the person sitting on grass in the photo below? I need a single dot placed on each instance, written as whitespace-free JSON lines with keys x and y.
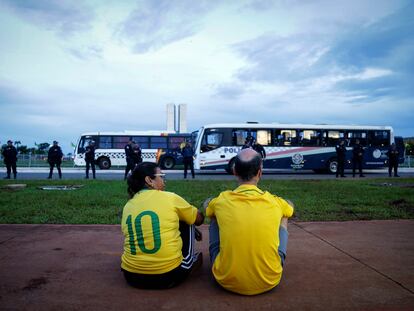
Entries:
{"x":248,"y":231}
{"x":159,"y":232}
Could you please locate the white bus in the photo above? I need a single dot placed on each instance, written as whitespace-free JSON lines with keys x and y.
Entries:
{"x":157,"y":146}
{"x":294,"y":146}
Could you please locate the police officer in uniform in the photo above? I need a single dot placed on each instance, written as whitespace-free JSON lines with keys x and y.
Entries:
{"x":393,"y":154}
{"x":54,"y":157}
{"x":188,"y":154}
{"x":136,"y":155}
{"x":341,"y":156}
{"x":128,"y":157}
{"x":259,"y":149}
{"x":10,"y":158}
{"x":248,"y":142}
{"x":357,"y":157}
{"x":90,"y":158}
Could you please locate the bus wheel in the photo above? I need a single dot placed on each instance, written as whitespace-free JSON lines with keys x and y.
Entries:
{"x":167,"y":163}
{"x":229,"y":168}
{"x":104,"y":163}
{"x":333,"y":166}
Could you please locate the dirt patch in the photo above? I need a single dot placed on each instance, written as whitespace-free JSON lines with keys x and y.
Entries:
{"x":63,"y":187}
{"x":403,"y":205}
{"x":35,"y":283}
{"x":13,"y":187}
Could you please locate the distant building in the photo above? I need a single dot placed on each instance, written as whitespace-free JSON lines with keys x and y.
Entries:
{"x":182,"y":118}
{"x":179,"y":124}
{"x":170,"y":117}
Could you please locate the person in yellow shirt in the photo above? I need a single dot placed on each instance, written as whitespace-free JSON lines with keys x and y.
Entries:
{"x":159,"y":232}
{"x":248,"y":231}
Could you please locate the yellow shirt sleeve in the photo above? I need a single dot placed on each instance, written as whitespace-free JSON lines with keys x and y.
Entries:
{"x":185,"y":211}
{"x":287,"y":209}
{"x":210,"y":208}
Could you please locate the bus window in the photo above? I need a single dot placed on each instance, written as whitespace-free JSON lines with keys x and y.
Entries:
{"x":352,"y":136}
{"x":84,"y":142}
{"x":263,"y":137}
{"x":309,"y":137}
{"x":285,"y":137}
{"x":105,"y":142}
{"x":239,"y":136}
{"x":331,"y":138}
{"x":175,"y":142}
{"x":211,"y":140}
{"x":119,"y":142}
{"x":379,"y":138}
{"x":158,"y":142}
{"x":142,"y":141}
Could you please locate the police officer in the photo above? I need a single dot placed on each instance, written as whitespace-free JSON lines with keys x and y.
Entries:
{"x":248,"y":142}
{"x":341,"y":156}
{"x":54,"y":157}
{"x":259,"y":149}
{"x":393,"y":154}
{"x":136,"y":155}
{"x":90,"y":158}
{"x":10,"y":158}
{"x":128,"y":157}
{"x":357,"y":157}
{"x":188,"y":154}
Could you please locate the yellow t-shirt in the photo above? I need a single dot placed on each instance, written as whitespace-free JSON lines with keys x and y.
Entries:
{"x":150,"y":223}
{"x":248,"y":218}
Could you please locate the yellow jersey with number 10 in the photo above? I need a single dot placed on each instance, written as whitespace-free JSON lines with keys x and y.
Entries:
{"x":150,"y":224}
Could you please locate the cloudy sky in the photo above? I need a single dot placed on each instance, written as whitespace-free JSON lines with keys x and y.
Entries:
{"x":67,"y":67}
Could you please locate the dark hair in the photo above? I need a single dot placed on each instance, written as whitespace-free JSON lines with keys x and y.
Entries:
{"x":136,"y":180}
{"x":246,"y":170}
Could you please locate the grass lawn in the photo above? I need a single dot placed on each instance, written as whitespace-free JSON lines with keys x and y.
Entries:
{"x":101,"y":202}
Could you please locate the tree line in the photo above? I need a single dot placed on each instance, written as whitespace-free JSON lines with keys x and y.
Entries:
{"x":41,"y":148}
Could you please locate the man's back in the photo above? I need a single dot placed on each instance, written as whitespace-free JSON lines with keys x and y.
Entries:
{"x":249,"y":218}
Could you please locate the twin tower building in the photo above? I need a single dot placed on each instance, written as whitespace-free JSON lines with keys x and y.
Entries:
{"x":177,"y":118}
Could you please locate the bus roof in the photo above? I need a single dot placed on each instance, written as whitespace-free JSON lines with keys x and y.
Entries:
{"x":296,"y":126}
{"x":133,"y":133}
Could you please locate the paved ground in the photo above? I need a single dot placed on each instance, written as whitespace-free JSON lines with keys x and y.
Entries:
{"x":365,"y":265}
{"x":27,"y":173}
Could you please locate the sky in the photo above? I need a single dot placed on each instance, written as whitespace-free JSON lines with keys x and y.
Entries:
{"x":68,"y":67}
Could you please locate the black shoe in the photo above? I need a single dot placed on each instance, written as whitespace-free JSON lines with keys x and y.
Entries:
{"x":198,"y":234}
{"x":87,"y":177}
{"x":396,"y":175}
{"x":49,"y":177}
{"x":343,"y":176}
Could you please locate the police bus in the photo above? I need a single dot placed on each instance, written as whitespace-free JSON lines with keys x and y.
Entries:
{"x":157,"y":146}
{"x":294,"y":146}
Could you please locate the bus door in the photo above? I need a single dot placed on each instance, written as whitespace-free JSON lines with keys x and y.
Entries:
{"x":215,"y":149}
